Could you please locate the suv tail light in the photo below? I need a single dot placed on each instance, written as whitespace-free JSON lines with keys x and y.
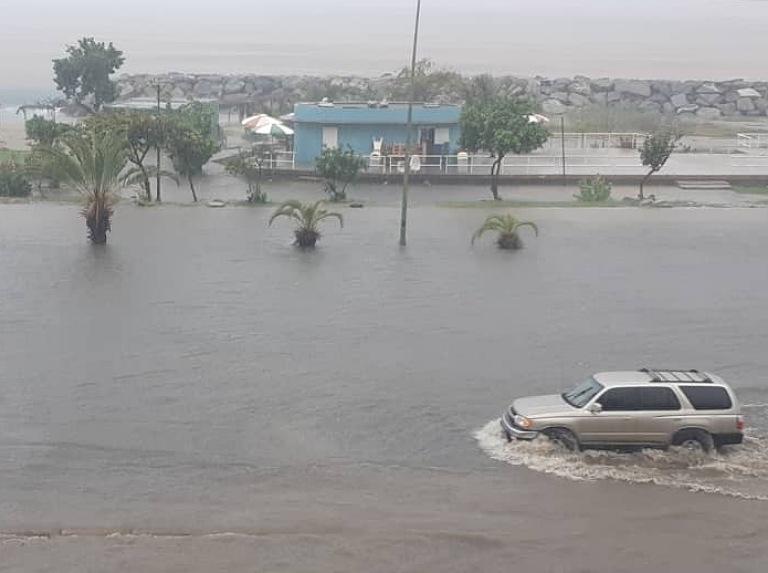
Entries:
{"x":740,"y":423}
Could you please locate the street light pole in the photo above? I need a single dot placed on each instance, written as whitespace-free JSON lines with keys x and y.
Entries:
{"x":409,"y":128}
{"x":157,"y":188}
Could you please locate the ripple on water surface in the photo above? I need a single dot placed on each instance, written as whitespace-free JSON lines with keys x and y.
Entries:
{"x":738,"y":471}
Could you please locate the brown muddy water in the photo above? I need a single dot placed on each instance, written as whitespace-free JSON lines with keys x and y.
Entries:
{"x":199,"y":396}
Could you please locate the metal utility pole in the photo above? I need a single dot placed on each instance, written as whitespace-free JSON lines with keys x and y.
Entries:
{"x":157,"y":188}
{"x":409,"y":128}
{"x":562,"y":142}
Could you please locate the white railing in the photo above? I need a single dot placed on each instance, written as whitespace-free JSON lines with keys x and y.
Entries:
{"x":512,"y":164}
{"x":752,"y":140}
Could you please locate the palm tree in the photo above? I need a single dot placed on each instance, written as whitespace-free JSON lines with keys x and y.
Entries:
{"x":506,"y":225}
{"x":92,"y":163}
{"x":307,"y":217}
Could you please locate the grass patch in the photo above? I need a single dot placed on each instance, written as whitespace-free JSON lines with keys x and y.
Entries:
{"x":13,"y":155}
{"x":490,"y":204}
{"x":752,"y":190}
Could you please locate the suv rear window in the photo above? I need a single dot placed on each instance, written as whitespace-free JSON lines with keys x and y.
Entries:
{"x":707,"y":397}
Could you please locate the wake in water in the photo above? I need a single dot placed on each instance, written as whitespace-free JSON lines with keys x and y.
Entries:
{"x":738,"y":471}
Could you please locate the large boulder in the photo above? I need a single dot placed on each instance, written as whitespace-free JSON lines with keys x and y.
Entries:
{"x":728,"y":109}
{"x":708,"y":88}
{"x":649,"y":106}
{"x":234,"y":86}
{"x":553,"y":107}
{"x":580,"y":87}
{"x":679,"y":100}
{"x":748,"y":93}
{"x":708,"y":113}
{"x":578,"y":100}
{"x":206,"y":88}
{"x":690,"y":108}
{"x":632,"y":87}
{"x":745,"y":104}
{"x":602,"y":84}
{"x":612,"y":97}
{"x":708,"y":99}
{"x":663,"y":88}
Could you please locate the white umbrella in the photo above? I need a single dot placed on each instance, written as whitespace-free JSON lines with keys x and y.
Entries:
{"x":538,"y":118}
{"x":273,"y":127}
{"x":254,"y":120}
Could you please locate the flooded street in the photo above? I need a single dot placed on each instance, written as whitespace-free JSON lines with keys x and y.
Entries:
{"x":200,"y":396}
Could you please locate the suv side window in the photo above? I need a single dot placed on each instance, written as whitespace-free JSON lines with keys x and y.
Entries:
{"x":620,"y":400}
{"x":707,"y":397}
{"x":655,"y":398}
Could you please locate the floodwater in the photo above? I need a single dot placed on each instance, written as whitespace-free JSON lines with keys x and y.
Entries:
{"x":200,"y":396}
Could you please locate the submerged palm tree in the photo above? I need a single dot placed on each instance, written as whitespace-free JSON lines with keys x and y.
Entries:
{"x":507,"y":226}
{"x":92,"y":163}
{"x":307,"y":217}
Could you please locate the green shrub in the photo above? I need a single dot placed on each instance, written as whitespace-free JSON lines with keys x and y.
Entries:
{"x":594,"y":190}
{"x":12,"y":181}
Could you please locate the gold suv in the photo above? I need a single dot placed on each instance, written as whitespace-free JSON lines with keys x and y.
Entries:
{"x":644,"y":408}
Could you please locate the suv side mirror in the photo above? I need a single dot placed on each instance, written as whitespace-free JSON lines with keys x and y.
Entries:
{"x":596,"y":408}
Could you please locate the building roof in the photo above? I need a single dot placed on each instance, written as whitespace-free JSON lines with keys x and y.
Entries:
{"x":376,"y":113}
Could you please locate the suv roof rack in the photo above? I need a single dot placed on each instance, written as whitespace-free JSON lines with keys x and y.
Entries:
{"x":676,"y":375}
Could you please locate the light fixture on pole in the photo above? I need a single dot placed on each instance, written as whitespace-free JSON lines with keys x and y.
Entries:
{"x":409,"y":128}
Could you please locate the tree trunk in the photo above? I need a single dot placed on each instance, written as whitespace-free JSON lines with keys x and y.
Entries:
{"x":495,"y":168}
{"x":641,"y":196}
{"x":145,"y":183}
{"x":98,"y":224}
{"x":192,"y":187}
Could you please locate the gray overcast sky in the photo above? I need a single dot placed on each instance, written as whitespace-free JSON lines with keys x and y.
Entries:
{"x":640,"y":38}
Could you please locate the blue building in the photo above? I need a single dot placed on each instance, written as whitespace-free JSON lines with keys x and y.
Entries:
{"x":373,"y":127}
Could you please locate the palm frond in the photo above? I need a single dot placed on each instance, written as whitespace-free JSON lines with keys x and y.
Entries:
{"x":503,"y":224}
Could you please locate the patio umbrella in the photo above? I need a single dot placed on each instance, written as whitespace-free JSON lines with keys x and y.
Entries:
{"x":273,"y":127}
{"x":256,"y":120}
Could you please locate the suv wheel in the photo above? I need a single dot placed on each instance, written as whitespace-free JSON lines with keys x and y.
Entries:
{"x":694,"y":440}
{"x":563,"y":438}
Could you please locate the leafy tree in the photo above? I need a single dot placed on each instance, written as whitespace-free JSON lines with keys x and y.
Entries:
{"x":479,"y":89}
{"x":501,"y":126}
{"x":43,"y":134}
{"x":594,"y":190}
{"x":189,"y":152}
{"x":142,"y":133}
{"x":92,"y":162}
{"x":307,"y":217}
{"x":506,"y":226}
{"x":338,"y":168}
{"x":431,"y":83}
{"x":13,"y":182}
{"x":656,"y":150}
{"x":46,"y":132}
{"x":249,"y":164}
{"x":84,"y":74}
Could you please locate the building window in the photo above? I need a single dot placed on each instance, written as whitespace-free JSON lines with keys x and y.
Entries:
{"x":330,"y":136}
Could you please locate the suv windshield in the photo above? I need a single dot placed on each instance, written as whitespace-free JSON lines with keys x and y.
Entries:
{"x":583,"y":393}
